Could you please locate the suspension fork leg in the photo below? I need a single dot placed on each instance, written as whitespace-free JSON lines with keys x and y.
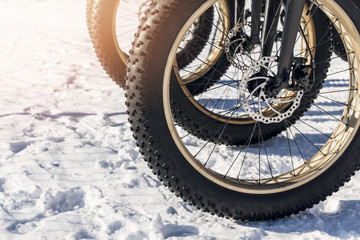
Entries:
{"x":294,"y":9}
{"x":272,"y":15}
{"x":256,"y":8}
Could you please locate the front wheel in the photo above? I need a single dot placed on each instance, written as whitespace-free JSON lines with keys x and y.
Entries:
{"x":259,"y":180}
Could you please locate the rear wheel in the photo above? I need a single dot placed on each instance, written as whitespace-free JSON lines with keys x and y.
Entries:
{"x":258,"y":180}
{"x":113,"y":23}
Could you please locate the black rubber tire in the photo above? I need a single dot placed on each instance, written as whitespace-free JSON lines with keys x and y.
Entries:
{"x":148,"y":122}
{"x":89,"y":19}
{"x":209,"y":128}
{"x":100,"y":23}
{"x":100,"y":16}
{"x":338,"y":46}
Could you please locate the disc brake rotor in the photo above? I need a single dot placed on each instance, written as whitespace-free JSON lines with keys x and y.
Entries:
{"x":238,"y":43}
{"x":257,"y":104}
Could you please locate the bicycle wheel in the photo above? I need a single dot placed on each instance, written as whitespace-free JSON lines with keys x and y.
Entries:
{"x":310,"y":160}
{"x":113,"y":23}
{"x":102,"y":20}
{"x":206,"y":114}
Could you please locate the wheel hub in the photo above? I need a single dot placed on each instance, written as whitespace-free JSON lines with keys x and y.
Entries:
{"x":257,"y":80}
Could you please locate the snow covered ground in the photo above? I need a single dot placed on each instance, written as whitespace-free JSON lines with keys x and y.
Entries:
{"x":69,"y":168}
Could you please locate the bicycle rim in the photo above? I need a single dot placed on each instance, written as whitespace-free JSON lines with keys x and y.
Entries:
{"x":308,"y":147}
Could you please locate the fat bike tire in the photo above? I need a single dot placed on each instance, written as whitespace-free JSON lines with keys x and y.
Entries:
{"x":100,"y":20}
{"x":150,"y":116}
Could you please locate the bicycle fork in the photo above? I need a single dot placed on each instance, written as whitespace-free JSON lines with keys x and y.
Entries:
{"x":293,"y":13}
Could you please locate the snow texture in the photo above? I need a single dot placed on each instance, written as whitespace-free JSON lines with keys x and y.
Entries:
{"x":69,"y":168}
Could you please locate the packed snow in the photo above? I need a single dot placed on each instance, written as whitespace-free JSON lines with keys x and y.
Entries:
{"x":69,"y":168}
